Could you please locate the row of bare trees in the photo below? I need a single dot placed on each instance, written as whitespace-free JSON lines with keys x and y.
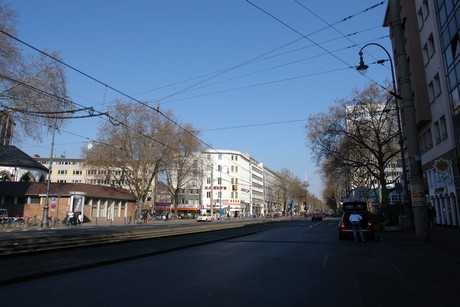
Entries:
{"x":138,"y":143}
{"x":289,"y":185}
{"x":356,"y":142}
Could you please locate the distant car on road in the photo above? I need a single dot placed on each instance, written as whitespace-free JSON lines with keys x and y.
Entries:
{"x":345,"y":228}
{"x":316,"y":217}
{"x":204,"y":218}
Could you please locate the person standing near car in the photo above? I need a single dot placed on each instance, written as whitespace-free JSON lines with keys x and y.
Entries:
{"x":355,"y":220}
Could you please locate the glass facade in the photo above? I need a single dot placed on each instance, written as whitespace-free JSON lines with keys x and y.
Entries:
{"x":448,"y":12}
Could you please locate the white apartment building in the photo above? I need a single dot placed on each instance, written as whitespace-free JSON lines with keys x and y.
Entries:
{"x":227,"y":183}
{"x":64,"y":170}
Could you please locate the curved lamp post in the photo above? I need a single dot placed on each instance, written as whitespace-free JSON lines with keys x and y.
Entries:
{"x":363,"y":68}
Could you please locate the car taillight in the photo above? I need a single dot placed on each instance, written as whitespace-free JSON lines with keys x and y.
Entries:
{"x":342,"y":225}
{"x":369,"y":225}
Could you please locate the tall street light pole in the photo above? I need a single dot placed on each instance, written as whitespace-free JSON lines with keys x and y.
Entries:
{"x":45,"y":221}
{"x":362,"y":68}
{"x":220,"y":189}
{"x":421,"y":225}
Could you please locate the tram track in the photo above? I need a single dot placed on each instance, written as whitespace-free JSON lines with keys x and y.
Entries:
{"x":33,"y":244}
{"x":32,"y":260}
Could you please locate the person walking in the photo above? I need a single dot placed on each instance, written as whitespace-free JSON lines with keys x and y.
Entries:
{"x":70,"y":217}
{"x":431,"y":211}
{"x":355,"y":220}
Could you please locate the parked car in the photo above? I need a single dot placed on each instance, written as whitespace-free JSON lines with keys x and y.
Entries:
{"x":204,"y":218}
{"x":345,"y":228}
{"x":316,"y":217}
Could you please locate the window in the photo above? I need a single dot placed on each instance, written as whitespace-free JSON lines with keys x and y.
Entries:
{"x":443,"y":127}
{"x":62,"y":172}
{"x":116,"y":209}
{"x":437,"y":132}
{"x":423,"y":13}
{"x":428,"y":49}
{"x":431,"y":91}
{"x":34,"y":200}
{"x":437,"y":85}
{"x":102,"y":211}
{"x":434,"y":88}
{"x":429,"y":138}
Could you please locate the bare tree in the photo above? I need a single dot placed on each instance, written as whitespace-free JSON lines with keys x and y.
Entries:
{"x":132,"y":147}
{"x":184,"y":164}
{"x":32,"y":88}
{"x":358,"y":135}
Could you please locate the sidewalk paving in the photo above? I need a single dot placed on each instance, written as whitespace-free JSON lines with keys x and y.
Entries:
{"x":442,"y":237}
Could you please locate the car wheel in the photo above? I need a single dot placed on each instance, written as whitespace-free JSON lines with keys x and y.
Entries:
{"x":341,"y":237}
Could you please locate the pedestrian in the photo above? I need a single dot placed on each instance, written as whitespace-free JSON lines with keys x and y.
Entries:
{"x":431,"y":211}
{"x":355,"y":220}
{"x":70,"y":216}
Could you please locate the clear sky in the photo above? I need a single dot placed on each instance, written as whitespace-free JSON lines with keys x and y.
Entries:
{"x":248,"y":79}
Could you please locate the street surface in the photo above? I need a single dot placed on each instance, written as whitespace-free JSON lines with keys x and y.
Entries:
{"x":295,"y":264}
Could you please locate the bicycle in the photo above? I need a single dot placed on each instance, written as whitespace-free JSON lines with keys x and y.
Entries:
{"x":19,"y":222}
{"x":33,"y":222}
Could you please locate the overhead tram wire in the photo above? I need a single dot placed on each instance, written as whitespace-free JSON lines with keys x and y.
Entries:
{"x":346,"y":37}
{"x":90,"y":110}
{"x":107,"y":86}
{"x":258,"y":125}
{"x":300,"y":33}
{"x":260,"y":57}
{"x":267,"y":69}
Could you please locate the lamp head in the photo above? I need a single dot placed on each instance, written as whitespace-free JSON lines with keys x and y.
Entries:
{"x":362,"y":68}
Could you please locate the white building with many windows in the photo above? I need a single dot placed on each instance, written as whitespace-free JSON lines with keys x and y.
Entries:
{"x":227,"y":183}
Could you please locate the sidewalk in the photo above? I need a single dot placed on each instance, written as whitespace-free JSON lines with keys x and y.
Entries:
{"x":442,"y":237}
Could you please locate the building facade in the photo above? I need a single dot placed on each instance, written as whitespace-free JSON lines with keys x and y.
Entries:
{"x":227,"y":183}
{"x":431,"y":32}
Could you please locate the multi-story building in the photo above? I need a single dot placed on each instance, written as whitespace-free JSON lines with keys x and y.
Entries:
{"x":227,"y":183}
{"x":271,"y":197}
{"x":64,"y":170}
{"x":431,"y":32}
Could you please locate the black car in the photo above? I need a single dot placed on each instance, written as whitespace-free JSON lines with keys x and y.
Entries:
{"x":345,"y":228}
{"x":316,"y":217}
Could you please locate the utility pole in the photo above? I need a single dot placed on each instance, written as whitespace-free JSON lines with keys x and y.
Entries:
{"x":422,"y":231}
{"x":212,"y":189}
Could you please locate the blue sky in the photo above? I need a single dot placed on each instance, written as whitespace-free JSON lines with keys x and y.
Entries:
{"x":247,"y":78}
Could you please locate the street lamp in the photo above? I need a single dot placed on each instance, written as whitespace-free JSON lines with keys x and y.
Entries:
{"x":220,"y":188}
{"x":45,"y":221}
{"x":363,"y":68}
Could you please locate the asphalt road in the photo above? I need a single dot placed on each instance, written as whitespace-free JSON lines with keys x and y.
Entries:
{"x":290,"y":264}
